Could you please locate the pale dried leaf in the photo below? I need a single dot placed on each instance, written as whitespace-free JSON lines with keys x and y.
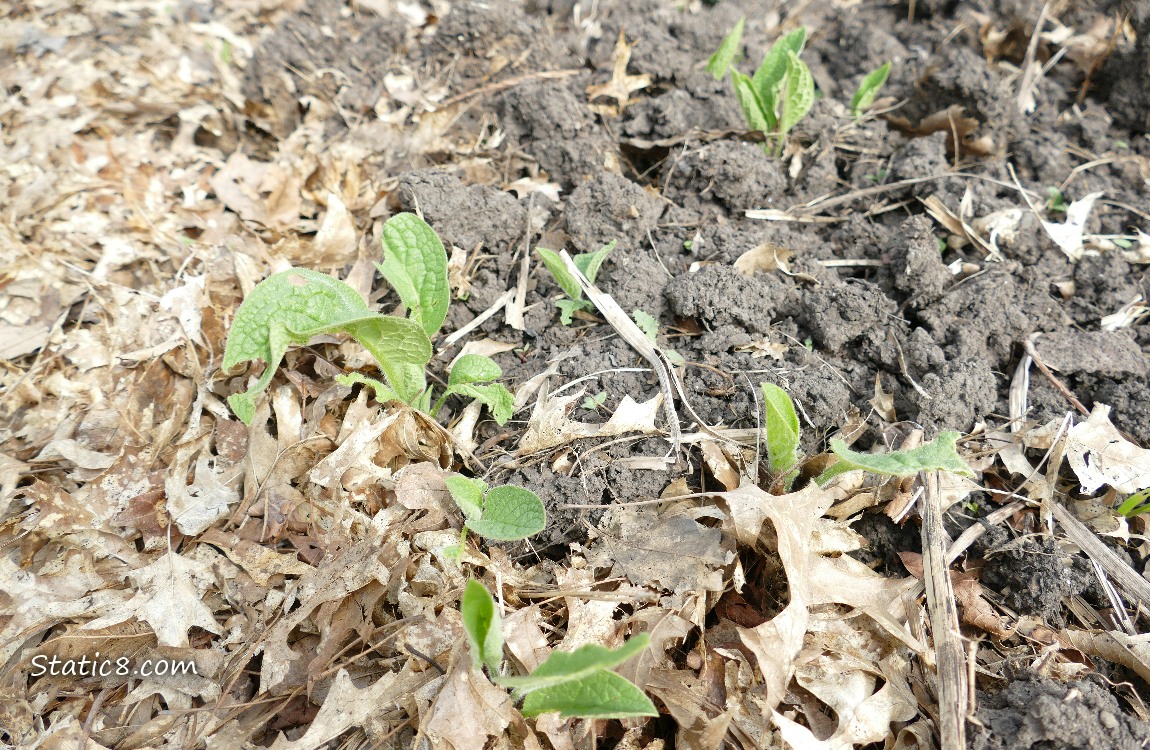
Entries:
{"x":1099,"y":455}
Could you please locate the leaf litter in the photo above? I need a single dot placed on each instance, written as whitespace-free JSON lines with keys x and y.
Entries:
{"x":300,"y":561}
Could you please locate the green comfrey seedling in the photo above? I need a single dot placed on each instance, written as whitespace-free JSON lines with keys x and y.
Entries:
{"x":588,"y":263}
{"x":781,"y":91}
{"x":504,"y":513}
{"x":782,"y":428}
{"x":294,"y":306}
{"x":579,"y":683}
{"x":868,"y":90}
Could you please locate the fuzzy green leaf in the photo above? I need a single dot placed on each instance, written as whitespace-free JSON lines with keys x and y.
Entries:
{"x":782,"y":429}
{"x":482,"y":623}
{"x":568,"y":307}
{"x":758,"y":117}
{"x":567,"y":666}
{"x":402,"y":350}
{"x":415,"y":264}
{"x":564,"y":278}
{"x":869,"y":89}
{"x":725,"y":54}
{"x":284,"y":309}
{"x":510,"y":514}
{"x":768,"y":78}
{"x":467,"y":494}
{"x":648,"y":325}
{"x":589,"y":263}
{"x":473,"y":368}
{"x":941,"y":453}
{"x":600,"y":695}
{"x":494,"y":396}
{"x":799,"y":95}
{"x":383,"y":392}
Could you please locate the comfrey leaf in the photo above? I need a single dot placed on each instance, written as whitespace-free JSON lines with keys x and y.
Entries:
{"x":469,"y":378}
{"x":647,"y":324}
{"x":292,"y":307}
{"x":564,"y":278}
{"x":768,"y":78}
{"x":383,"y":391}
{"x":467,"y":494}
{"x":940,"y":454}
{"x":725,"y":54}
{"x":510,"y":514}
{"x":800,"y":93}
{"x":600,"y":695}
{"x":590,"y":263}
{"x":483,"y":626}
{"x":758,"y":117}
{"x":566,"y":666}
{"x":415,"y":264}
{"x":869,"y":89}
{"x":782,"y":428}
{"x":568,"y":308}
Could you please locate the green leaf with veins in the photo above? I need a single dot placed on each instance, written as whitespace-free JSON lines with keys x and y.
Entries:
{"x":758,"y":116}
{"x":940,"y":454}
{"x":782,"y":425}
{"x":482,"y":624}
{"x":564,"y":278}
{"x":600,"y":695}
{"x":510,"y":514}
{"x":799,"y":95}
{"x":383,"y":392}
{"x":492,"y":395}
{"x":768,"y":78}
{"x":468,"y":375}
{"x":590,"y":263}
{"x":467,"y":494}
{"x":725,"y":55}
{"x":415,"y":264}
{"x":402,"y":349}
{"x":869,"y":89}
{"x":567,"y":666}
{"x":647,"y":324}
{"x":473,"y":368}
{"x":294,"y":306}
{"x":568,"y":308}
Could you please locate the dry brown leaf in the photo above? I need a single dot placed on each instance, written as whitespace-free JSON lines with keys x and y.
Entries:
{"x":549,"y":426}
{"x":467,"y":710}
{"x":621,"y":85}
{"x":335,"y":243}
{"x":1099,"y":455}
{"x":765,"y":257}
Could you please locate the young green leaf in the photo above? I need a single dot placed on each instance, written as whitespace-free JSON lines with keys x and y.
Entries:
{"x":799,"y":96}
{"x":768,"y":78}
{"x":568,"y":308}
{"x":589,"y":263}
{"x":482,"y":623}
{"x":564,"y":278}
{"x":415,"y":264}
{"x":869,"y":89}
{"x":290,"y":308}
{"x":782,"y":429}
{"x":941,"y":453}
{"x":600,"y":695}
{"x":467,"y":377}
{"x":402,"y":350}
{"x":383,"y":392}
{"x":1136,"y":504}
{"x":758,"y":117}
{"x":467,"y":494}
{"x":648,"y":325}
{"x":510,"y":514}
{"x":568,"y":666}
{"x":725,"y":54}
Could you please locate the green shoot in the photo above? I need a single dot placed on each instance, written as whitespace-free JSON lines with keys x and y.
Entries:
{"x":782,"y":426}
{"x":868,"y":90}
{"x":781,"y":92}
{"x":502,"y":513}
{"x":588,"y":264}
{"x":484,"y":630}
{"x":941,"y":453}
{"x":1054,"y":200}
{"x":592,"y":403}
{"x":294,"y":306}
{"x":1134,"y":505}
{"x":577,"y":684}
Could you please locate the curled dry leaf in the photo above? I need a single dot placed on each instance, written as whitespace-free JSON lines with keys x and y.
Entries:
{"x":1099,"y":455}
{"x":550,"y":427}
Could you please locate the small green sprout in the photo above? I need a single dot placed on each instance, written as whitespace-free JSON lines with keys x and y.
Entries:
{"x":1136,"y":504}
{"x":504,"y":513}
{"x":588,"y":263}
{"x":647,"y":324}
{"x":941,"y":242}
{"x":576,"y":684}
{"x":941,"y":453}
{"x":781,"y":91}
{"x":592,"y":403}
{"x":782,"y":426}
{"x":1054,"y":200}
{"x":294,"y":306}
{"x":868,"y":90}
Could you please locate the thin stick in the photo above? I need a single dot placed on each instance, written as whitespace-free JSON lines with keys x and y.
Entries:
{"x":1028,"y":344}
{"x":950,"y":656}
